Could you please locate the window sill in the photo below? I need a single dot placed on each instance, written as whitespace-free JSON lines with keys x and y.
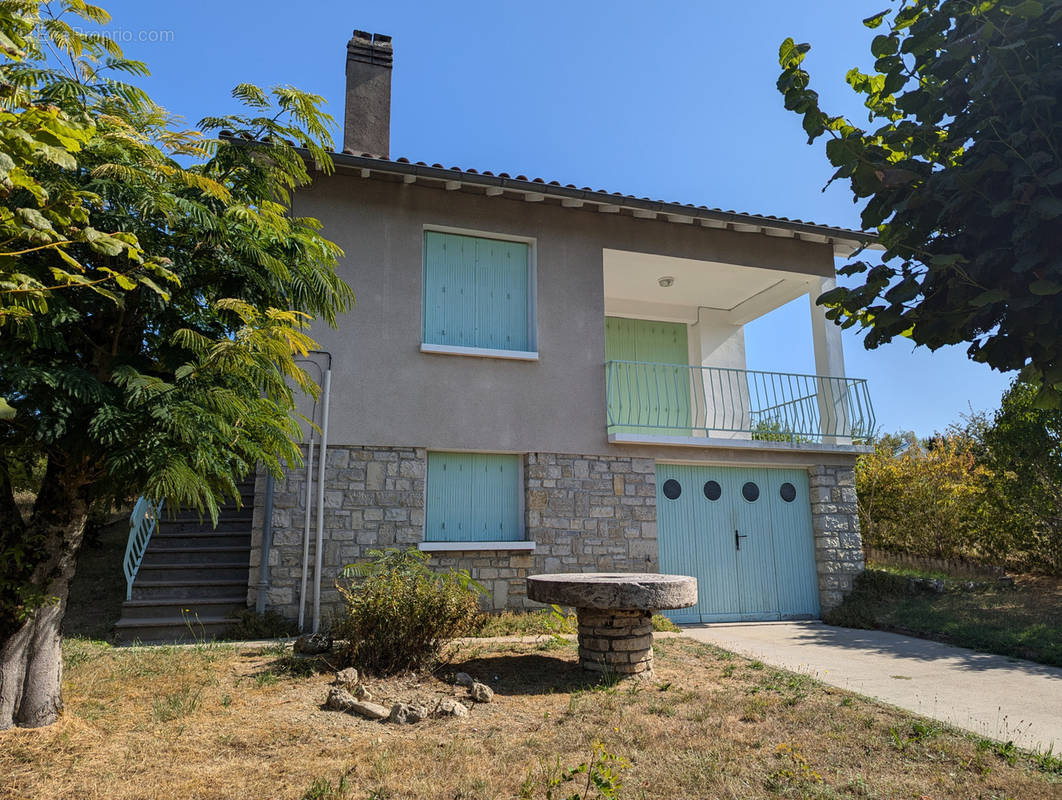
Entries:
{"x":456,"y":547}
{"x":480,"y":352}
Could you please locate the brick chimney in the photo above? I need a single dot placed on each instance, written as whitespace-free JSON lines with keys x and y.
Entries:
{"x":367,"y":118}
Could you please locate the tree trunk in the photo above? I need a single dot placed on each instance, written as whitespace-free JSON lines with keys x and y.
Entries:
{"x":31,"y":665}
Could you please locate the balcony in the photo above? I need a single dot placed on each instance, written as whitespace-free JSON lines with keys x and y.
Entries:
{"x":655,"y":403}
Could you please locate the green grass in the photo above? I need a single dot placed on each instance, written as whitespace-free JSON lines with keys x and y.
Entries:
{"x":1024,"y":621}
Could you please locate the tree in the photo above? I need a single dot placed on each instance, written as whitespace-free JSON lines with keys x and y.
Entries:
{"x":962,"y":177}
{"x":156,"y":289}
{"x":1023,"y":446}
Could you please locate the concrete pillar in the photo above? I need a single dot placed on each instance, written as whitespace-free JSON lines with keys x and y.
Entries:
{"x":721,"y":399}
{"x":833,"y":401}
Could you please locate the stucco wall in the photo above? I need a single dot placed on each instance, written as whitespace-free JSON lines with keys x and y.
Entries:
{"x":386,"y":392}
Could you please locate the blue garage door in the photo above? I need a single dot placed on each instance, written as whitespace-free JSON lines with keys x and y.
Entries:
{"x":745,"y":534}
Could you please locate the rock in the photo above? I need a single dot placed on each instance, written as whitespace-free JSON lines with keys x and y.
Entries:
{"x":339,"y":699}
{"x":347,"y":678}
{"x":480,"y":692}
{"x":464,"y":679}
{"x":361,"y":692}
{"x":312,"y":644}
{"x":450,"y":708}
{"x":363,"y":708}
{"x":403,"y":714}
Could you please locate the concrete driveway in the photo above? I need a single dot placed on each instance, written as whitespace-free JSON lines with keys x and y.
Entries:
{"x":992,"y":696}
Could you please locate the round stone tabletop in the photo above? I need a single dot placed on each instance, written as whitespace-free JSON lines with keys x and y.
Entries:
{"x":647,"y":591}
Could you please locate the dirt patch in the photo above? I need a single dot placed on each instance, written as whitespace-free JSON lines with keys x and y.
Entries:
{"x":224,"y":721}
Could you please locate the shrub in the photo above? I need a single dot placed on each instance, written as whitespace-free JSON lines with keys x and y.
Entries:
{"x":399,"y":613}
{"x":929,"y":500}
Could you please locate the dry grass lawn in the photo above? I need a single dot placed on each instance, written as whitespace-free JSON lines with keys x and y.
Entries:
{"x":231,"y":721}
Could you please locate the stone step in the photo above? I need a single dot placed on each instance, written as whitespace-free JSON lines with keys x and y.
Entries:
{"x":191,"y":607}
{"x":202,"y":539}
{"x":144,"y":589}
{"x":232,"y":523}
{"x":181,"y":553}
{"x":231,"y":570}
{"x":166,"y":630}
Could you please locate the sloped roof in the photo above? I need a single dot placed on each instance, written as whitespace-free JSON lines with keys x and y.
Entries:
{"x":845,"y":241}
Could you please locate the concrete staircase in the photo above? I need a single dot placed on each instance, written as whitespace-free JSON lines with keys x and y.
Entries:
{"x":193,"y":577}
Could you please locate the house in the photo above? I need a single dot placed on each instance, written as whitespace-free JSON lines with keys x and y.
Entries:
{"x":545,"y":378}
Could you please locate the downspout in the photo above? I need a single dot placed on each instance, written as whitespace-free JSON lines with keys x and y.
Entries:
{"x":306,"y":534}
{"x":322,"y":463}
{"x":267,"y":547}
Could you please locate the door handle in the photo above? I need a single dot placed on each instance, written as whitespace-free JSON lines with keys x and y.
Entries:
{"x":737,"y":539}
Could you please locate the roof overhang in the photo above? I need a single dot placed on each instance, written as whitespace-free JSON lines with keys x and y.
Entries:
{"x":844,"y":242}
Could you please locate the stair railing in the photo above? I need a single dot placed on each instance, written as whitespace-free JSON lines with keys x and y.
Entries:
{"x":142,"y":523}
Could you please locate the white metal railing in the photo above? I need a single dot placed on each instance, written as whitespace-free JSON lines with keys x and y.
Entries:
{"x":647,"y":397}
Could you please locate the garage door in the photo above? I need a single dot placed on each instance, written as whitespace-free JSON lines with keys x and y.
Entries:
{"x":745,"y":534}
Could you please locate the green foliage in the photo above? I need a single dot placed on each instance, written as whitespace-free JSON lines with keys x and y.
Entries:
{"x":597,"y":778}
{"x":399,"y":613}
{"x":990,"y":490}
{"x":154,"y":286}
{"x":961,"y":170}
{"x":549,"y":622}
{"x":927,"y":501}
{"x":772,"y":430}
{"x":664,"y":624}
{"x":323,"y":789}
{"x":1023,"y":447}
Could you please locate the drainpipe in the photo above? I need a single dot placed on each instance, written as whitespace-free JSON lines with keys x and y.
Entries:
{"x":322,"y":463}
{"x":267,"y":546}
{"x":306,"y":534}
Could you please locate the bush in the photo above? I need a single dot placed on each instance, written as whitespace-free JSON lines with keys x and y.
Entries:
{"x":989,"y":490}
{"x":399,"y":614}
{"x":929,"y":500}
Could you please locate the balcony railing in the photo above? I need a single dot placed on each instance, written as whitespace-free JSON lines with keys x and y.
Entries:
{"x":719,"y":402}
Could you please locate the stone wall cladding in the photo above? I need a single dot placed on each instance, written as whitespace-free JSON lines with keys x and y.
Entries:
{"x":374,"y":498}
{"x":584,"y":513}
{"x":835,"y":522}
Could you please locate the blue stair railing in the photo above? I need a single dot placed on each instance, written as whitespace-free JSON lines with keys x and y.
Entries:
{"x":142,"y":523}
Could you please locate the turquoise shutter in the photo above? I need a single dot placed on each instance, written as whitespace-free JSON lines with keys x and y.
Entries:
{"x":651,"y":397}
{"x":473,"y":497}
{"x":476,"y":292}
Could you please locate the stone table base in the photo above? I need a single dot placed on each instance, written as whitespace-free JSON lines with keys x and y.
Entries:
{"x":616,"y":641}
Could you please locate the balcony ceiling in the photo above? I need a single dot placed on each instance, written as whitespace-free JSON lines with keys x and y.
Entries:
{"x":632,"y":287}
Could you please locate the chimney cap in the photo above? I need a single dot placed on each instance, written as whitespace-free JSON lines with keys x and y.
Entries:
{"x":370,"y":48}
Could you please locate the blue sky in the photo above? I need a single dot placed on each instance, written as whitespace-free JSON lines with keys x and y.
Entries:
{"x":674,"y":101}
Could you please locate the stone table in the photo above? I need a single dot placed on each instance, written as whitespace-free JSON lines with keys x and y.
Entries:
{"x":615,"y":611}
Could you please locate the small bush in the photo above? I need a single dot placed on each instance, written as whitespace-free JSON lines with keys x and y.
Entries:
{"x":547,"y":621}
{"x":399,"y":614}
{"x":662,"y":623}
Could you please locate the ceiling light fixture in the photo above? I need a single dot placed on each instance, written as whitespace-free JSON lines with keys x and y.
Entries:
{"x":665,"y":281}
